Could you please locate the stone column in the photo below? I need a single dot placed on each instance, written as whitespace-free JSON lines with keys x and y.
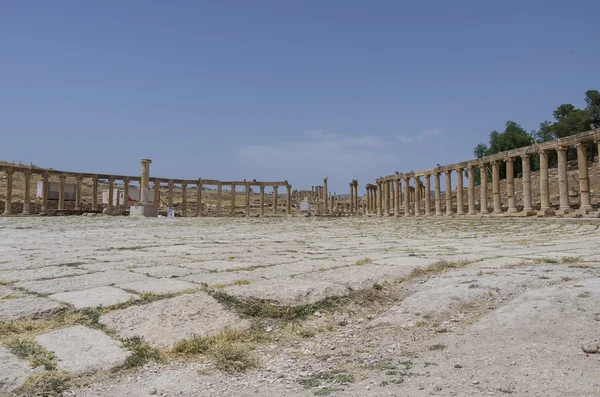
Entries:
{"x":46,"y":189}
{"x":78,"y":194}
{"x":232,"y":200}
{"x":27,"y":197}
{"x":496,"y":187}
{"x":510,"y":184}
{"x":460,"y":208}
{"x":325,"y":194}
{"x":157,"y":193}
{"x":145,"y":181}
{"x":125,"y":194}
{"x":199,"y":199}
{"x":288,"y":204}
{"x":584,"y":181}
{"x":387,"y":197}
{"x":483,"y":177}
{"x":427,"y":195}
{"x":449,"y":192}
{"x":351,"y":198}
{"x":275,"y":199}
{"x":438,"y":194}
{"x":396,"y":198}
{"x":219,"y":198}
{"x":544,"y":187}
{"x":184,"y":199}
{"x":406,"y":196}
{"x":8,"y":200}
{"x":247,"y":199}
{"x":379,"y":198}
{"x":170,"y":195}
{"x":111,"y":189}
{"x":418,"y":196}
{"x":527,"y":206}
{"x":563,"y":185}
{"x":61,"y":192}
{"x":262,"y":200}
{"x":471,"y":190}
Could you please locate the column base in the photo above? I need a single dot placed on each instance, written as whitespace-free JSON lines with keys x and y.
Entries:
{"x":148,"y":211}
{"x":592,"y":214}
{"x":524,"y":213}
{"x":585,"y":209}
{"x":512,"y":210}
{"x":563,"y":211}
{"x":546,"y":212}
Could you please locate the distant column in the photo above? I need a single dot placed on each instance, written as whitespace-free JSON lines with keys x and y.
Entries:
{"x":427,"y":195}
{"x":544,"y":187}
{"x":406,"y":196}
{"x":262,"y":200}
{"x":449,"y":192}
{"x":563,"y":185}
{"x":396,"y":198}
{"x":356,"y":196}
{"x":275,"y":199}
{"x":510,"y":184}
{"x":8,"y":199}
{"x":199,"y":198}
{"x":460,"y":208}
{"x":351,"y":198}
{"x":219,"y":198}
{"x":288,"y":204}
{"x":417,"y":196}
{"x":232,"y":199}
{"x":471,"y":190}
{"x":496,"y":187}
{"x":27,"y":197}
{"x":387,"y":197}
{"x":111,"y":188}
{"x":526,"y":161}
{"x":247,"y":194}
{"x":184,"y":199}
{"x":584,"y":181}
{"x":170,"y":195}
{"x":46,"y":188}
{"x":483,"y":178}
{"x":61,"y":192}
{"x":125,"y":202}
{"x":438,"y":194}
{"x":325,"y":195}
{"x":157,"y":193}
{"x":379,"y":198}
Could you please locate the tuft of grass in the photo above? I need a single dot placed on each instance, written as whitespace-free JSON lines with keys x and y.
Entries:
{"x":547,"y":260}
{"x":571,"y":259}
{"x":364,"y":261}
{"x":46,"y":383}
{"x":7,"y":282}
{"x":231,"y":258}
{"x":377,"y":286}
{"x":200,"y":344}
{"x":218,"y":286}
{"x":241,"y":282}
{"x":28,"y":349}
{"x":436,"y":267}
{"x":141,"y":353}
{"x":334,"y":376}
{"x":243,"y":269}
{"x":7,"y":297}
{"x":438,"y":346}
{"x":147,"y":295}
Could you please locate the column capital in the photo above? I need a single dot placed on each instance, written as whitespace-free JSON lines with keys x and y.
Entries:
{"x":562,"y":148}
{"x":63,"y":176}
{"x":509,"y":159}
{"x":126,"y":180}
{"x":582,"y":143}
{"x":460,"y":170}
{"x":10,"y":171}
{"x":526,"y":155}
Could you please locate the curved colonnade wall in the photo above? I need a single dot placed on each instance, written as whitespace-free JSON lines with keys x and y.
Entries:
{"x":393,"y":194}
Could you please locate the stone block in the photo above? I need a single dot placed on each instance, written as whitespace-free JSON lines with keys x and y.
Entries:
{"x":82,"y":349}
{"x":94,"y":297}
{"x":13,"y":371}
{"x":28,"y":306}
{"x":7,"y":292}
{"x":159,"y":286}
{"x":148,"y":210}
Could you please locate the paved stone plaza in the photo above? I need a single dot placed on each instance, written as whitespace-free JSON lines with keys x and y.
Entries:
{"x":542,"y":276}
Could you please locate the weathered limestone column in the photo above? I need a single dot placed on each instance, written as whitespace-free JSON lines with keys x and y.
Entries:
{"x":125,"y":202}
{"x":510,"y":184}
{"x":27,"y":198}
{"x":262,"y":200}
{"x":184,"y":199}
{"x":288,"y":204}
{"x":356,"y":196}
{"x":111,"y":188}
{"x":232,"y":200}
{"x":8,"y":200}
{"x":351,"y":198}
{"x":406,"y":196}
{"x":46,"y":187}
{"x":584,"y":181}
{"x":387,"y":197}
{"x":483,"y":177}
{"x":563,"y":185}
{"x":157,"y":194}
{"x":145,"y":181}
{"x":61,"y":192}
{"x":527,"y":206}
{"x":418,"y":196}
{"x":471,"y":190}
{"x":199,"y":198}
{"x":544,"y":187}
{"x":449,"y":192}
{"x":496,"y":187}
{"x":275,"y":199}
{"x":325,"y":194}
{"x":460,"y":208}
{"x":427,"y":195}
{"x":247,"y":198}
{"x":379,"y":198}
{"x":219,"y":198}
{"x":170,"y":195}
{"x":438,"y":194}
{"x":396,"y":198}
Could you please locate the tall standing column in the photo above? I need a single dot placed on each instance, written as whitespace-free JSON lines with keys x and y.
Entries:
{"x":288,"y":203}
{"x":527,"y":206}
{"x":396,"y":198}
{"x":351,"y":198}
{"x":544,"y":187}
{"x":170,"y":195}
{"x":247,"y":198}
{"x":219,"y":198}
{"x":449,"y":192}
{"x":8,"y":199}
{"x":438,"y":194}
{"x":427,"y":195}
{"x":27,"y":198}
{"x":46,"y":190}
{"x":199,"y":198}
{"x":387,"y":198}
{"x":356,"y":196}
{"x":563,"y":185}
{"x":406,"y":196}
{"x":125,"y":202}
{"x":460,"y":208}
{"x":232,"y":200}
{"x":471,"y":190}
{"x":325,"y":194}
{"x":111,"y":191}
{"x":379,"y":198}
{"x":510,"y":184}
{"x":483,"y":178}
{"x":262,"y":200}
{"x":156,"y":193}
{"x":584,"y":181}
{"x":496,"y":187}
{"x":61,"y":192}
{"x":275,"y":199}
{"x":418,"y":196}
{"x":184,"y":199}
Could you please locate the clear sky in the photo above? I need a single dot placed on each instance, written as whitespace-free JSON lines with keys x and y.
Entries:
{"x":273,"y":90}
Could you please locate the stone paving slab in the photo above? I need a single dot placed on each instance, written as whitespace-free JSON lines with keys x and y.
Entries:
{"x":28,"y":306}
{"x":162,"y":323}
{"x":289,"y":291}
{"x":47,"y":272}
{"x":13,"y":371}
{"x":159,"y":286}
{"x":94,"y":297}
{"x":77,"y":283}
{"x":358,"y":276}
{"x":222,"y":278}
{"x":82,"y":349}
{"x":164,"y":271}
{"x":218,"y":266}
{"x":7,"y":292}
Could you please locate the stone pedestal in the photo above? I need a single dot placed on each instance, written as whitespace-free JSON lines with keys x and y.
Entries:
{"x":149,"y":210}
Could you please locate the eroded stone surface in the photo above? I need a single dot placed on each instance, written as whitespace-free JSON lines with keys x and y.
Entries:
{"x":166,"y":321}
{"x":82,"y":349}
{"x":7,"y":292}
{"x":13,"y":371}
{"x":27,"y":306}
{"x":158,"y":286}
{"x":93,"y":297}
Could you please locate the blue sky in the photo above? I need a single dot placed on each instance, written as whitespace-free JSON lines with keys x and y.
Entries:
{"x":273,"y":90}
